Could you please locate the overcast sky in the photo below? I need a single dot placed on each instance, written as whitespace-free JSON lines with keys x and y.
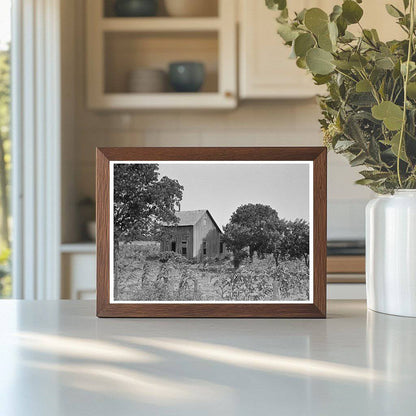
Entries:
{"x":222,"y":188}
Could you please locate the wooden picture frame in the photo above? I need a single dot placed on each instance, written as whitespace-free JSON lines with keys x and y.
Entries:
{"x":314,"y":308}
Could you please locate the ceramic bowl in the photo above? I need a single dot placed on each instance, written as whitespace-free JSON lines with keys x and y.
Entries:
{"x":136,"y":8}
{"x":186,"y":76}
{"x":147,"y":80}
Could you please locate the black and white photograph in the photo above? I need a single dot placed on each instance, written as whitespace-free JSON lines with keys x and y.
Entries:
{"x":211,"y":232}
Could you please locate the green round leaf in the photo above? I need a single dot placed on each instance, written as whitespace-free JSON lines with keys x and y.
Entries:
{"x":286,"y":32}
{"x":394,"y":144}
{"x":391,"y":114}
{"x":375,"y":35}
{"x":328,"y":39}
{"x":363,"y":86}
{"x":316,"y":20}
{"x":276,"y":4}
{"x":301,"y":63}
{"x":319,"y":61}
{"x":342,"y":25}
{"x":303,"y":43}
{"x":342,"y":64}
{"x":411,"y":90}
{"x":321,"y":79}
{"x":300,"y":16}
{"x":358,"y":61}
{"x":351,"y":11}
{"x":333,"y":32}
{"x":324,"y":42}
{"x":385,"y":63}
{"x":393,"y":11}
{"x":336,"y":12}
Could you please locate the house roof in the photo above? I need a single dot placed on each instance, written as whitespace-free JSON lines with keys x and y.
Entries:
{"x":187,"y":218}
{"x":190,"y":217}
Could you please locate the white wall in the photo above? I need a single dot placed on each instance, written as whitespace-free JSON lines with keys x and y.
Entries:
{"x":256,"y":123}
{"x":265,"y":123}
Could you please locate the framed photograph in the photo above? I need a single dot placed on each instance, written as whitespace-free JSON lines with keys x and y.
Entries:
{"x":211,"y":232}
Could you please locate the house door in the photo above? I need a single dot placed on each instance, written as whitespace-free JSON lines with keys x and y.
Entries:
{"x":173,"y":246}
{"x":184,"y":248}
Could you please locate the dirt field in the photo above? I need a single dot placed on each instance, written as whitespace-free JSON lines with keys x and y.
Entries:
{"x":145,"y":274}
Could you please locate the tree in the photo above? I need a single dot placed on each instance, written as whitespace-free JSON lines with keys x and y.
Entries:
{"x":4,"y":144}
{"x":142,"y":201}
{"x":236,"y":238}
{"x":300,"y":246}
{"x":5,"y":166}
{"x":252,"y":226}
{"x":294,"y":243}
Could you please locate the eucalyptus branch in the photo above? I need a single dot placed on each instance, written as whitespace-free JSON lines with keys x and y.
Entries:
{"x":346,"y":75}
{"x":369,"y":41}
{"x":406,"y":80}
{"x":398,"y":95}
{"x":392,"y":90}
{"x":364,"y":108}
{"x":373,"y":89}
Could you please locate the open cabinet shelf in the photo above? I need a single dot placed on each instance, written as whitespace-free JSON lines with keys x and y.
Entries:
{"x":210,"y":9}
{"x":116,"y":46}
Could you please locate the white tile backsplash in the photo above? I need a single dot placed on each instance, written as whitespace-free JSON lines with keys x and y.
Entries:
{"x":346,"y":219}
{"x":285,"y":123}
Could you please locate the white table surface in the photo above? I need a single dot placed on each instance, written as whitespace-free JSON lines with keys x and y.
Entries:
{"x":57,"y":359}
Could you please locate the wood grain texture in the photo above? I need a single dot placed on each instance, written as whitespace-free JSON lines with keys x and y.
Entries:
{"x":317,"y":309}
{"x":346,"y":264}
{"x":103,"y":231}
{"x":345,"y":278}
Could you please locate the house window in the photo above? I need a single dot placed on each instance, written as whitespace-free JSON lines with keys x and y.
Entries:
{"x":184,"y":249}
{"x":204,"y":248}
{"x":221,"y":247}
{"x":173,"y":246}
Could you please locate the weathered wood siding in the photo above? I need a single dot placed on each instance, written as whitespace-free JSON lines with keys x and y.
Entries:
{"x":179,"y":234}
{"x":205,"y":230}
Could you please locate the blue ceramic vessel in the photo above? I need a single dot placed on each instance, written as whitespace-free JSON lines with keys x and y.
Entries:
{"x":186,"y":76}
{"x":136,"y":8}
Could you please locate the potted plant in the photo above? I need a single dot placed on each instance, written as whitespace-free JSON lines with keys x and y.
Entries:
{"x":369,"y":115}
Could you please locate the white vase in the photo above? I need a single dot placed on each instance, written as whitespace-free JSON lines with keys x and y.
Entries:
{"x":391,"y":253}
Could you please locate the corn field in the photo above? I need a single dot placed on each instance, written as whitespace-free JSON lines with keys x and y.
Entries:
{"x":145,"y":274}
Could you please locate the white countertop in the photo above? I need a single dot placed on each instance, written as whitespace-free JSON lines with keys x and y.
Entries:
{"x":57,"y":359}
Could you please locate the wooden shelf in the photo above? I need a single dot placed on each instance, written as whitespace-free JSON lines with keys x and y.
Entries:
{"x":346,"y":269}
{"x":116,"y":46}
{"x":163,"y":101}
{"x":346,"y":264}
{"x":345,"y":278}
{"x":159,"y":24}
{"x":81,"y":247}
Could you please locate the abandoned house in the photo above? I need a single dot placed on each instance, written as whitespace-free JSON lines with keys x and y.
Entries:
{"x":196,"y":235}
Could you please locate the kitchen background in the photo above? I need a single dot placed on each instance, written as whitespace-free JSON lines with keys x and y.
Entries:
{"x":288,"y":117}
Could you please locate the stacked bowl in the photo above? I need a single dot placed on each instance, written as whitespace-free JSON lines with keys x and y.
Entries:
{"x":147,"y":80}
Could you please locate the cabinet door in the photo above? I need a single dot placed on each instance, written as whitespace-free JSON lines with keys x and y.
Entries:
{"x":265,"y":68}
{"x":78,"y":276}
